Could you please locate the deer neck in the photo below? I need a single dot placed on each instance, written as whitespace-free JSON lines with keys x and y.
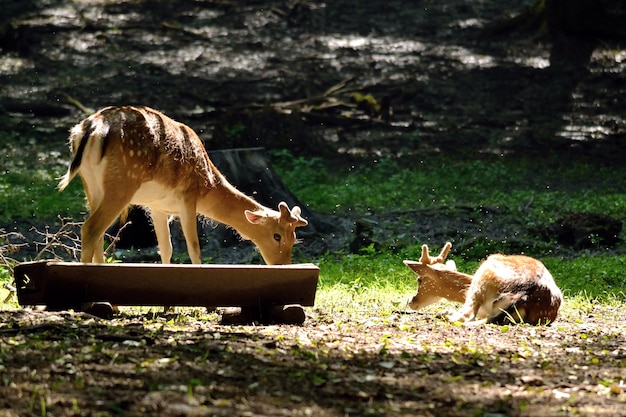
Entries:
{"x":225,"y":204}
{"x":457,"y":284}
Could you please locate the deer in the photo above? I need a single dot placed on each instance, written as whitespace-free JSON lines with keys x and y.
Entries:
{"x":135,"y":155}
{"x":504,"y":288}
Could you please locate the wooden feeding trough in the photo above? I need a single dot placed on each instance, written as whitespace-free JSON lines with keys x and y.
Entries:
{"x":262,"y":291}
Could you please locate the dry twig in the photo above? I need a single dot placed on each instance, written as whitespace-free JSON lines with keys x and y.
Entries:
{"x":115,"y":239}
{"x":65,"y":239}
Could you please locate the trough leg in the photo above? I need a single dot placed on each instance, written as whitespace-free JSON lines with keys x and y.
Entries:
{"x":288,"y":314}
{"x":103,"y":310}
{"x":280,"y":314}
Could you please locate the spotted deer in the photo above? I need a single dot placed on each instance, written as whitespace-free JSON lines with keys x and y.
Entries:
{"x":504,"y":289}
{"x":138,"y":156}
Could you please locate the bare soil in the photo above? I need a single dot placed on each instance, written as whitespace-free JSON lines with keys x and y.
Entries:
{"x":286,"y":75}
{"x":334,"y":365}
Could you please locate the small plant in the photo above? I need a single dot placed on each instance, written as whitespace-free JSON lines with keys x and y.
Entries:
{"x":7,"y":263}
{"x":235,"y":131}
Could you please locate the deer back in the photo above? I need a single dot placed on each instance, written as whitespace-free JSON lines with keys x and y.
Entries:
{"x":523,"y":283}
{"x":139,"y":144}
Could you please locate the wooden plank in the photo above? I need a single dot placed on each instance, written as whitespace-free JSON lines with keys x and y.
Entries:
{"x":70,"y":284}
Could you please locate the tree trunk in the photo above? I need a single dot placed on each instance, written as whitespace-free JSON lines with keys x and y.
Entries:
{"x":558,"y":18}
{"x":580,"y":17}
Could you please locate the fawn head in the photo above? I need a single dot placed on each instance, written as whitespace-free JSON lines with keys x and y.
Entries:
{"x":276,"y":237}
{"x":435,"y":277}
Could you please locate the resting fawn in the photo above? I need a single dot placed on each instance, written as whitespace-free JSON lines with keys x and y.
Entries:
{"x":136,"y":155}
{"x":505,"y":288}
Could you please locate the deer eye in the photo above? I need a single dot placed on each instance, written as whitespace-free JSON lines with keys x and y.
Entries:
{"x":277,"y":237}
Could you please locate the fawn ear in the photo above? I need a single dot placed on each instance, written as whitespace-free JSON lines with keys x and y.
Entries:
{"x":255,"y":217}
{"x":425,"y":258}
{"x":292,"y":216}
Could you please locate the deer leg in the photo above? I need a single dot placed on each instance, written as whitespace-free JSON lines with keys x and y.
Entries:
{"x":188,"y":221}
{"x":506,"y":305}
{"x":460,"y":315}
{"x":160,"y":221}
{"x":471,"y":310}
{"x":103,"y":211}
{"x":92,"y":232}
{"x":99,"y":244}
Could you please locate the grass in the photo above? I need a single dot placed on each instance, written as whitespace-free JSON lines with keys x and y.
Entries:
{"x":554,"y":184}
{"x":380,"y":282}
{"x":34,"y":196}
{"x":547,"y":187}
{"x":5,"y":278}
{"x":364,"y":282}
{"x":30,"y":173}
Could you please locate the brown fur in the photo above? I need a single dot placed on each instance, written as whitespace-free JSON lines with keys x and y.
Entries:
{"x":137,"y":155}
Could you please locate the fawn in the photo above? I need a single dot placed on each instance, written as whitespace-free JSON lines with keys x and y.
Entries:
{"x":505,"y":288}
{"x":137,"y":155}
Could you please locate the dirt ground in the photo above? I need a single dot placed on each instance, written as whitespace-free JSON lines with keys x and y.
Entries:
{"x":345,"y":80}
{"x":334,"y":365}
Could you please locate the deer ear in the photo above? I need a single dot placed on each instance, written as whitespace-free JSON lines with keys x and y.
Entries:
{"x":255,"y":217}
{"x":291,"y":216}
{"x":425,"y":258}
{"x":444,"y":253}
{"x":285,"y":213}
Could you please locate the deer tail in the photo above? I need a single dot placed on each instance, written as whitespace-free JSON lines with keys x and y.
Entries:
{"x":85,"y":129}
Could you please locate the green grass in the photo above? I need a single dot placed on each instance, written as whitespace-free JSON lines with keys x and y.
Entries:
{"x":30,"y":171}
{"x":34,"y":196}
{"x":554,"y":185}
{"x":364,"y":282}
{"x":6,"y":278}
{"x":380,"y":281}
{"x":596,"y":276}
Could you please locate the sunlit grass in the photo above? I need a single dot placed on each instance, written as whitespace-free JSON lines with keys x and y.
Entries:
{"x":6,"y":301}
{"x":598,"y":277}
{"x":381,"y":283}
{"x":34,"y":196}
{"x":368,"y":282}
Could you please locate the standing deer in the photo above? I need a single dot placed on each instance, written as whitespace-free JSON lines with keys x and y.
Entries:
{"x":136,"y":155}
{"x":505,"y":288}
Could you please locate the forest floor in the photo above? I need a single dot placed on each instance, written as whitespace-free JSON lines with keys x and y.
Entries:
{"x":337,"y":80}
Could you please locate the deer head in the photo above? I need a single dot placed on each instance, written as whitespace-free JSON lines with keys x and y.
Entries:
{"x":281,"y":226}
{"x":437,"y":279}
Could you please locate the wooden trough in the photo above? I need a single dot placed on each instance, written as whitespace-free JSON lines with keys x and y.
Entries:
{"x":261,"y":291}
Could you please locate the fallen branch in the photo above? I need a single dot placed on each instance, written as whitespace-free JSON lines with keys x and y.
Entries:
{"x":78,"y":104}
{"x":335,"y":89}
{"x":190,"y":32}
